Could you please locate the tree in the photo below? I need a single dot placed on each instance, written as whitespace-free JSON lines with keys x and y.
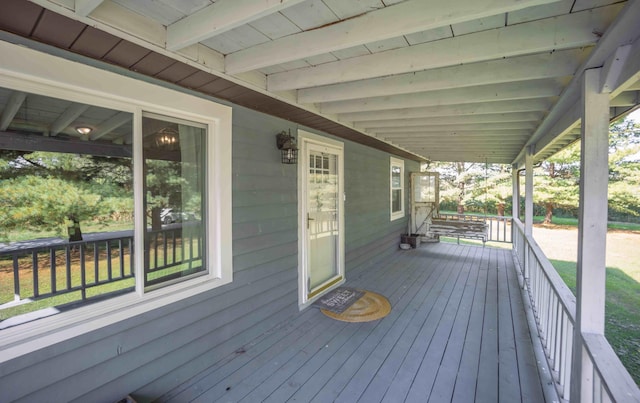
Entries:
{"x":49,"y":203}
{"x":45,"y":190}
{"x":556,"y":181}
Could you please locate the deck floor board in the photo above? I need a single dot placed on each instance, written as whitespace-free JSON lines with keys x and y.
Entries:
{"x":457,"y":332}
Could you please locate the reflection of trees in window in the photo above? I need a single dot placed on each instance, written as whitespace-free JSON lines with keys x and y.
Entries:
{"x":174,"y":186}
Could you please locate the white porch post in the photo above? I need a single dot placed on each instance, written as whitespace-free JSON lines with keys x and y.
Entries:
{"x":592,"y":229}
{"x":528,"y":192}
{"x":515,"y":199}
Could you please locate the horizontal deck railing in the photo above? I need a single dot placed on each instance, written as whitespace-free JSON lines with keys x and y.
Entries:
{"x":55,"y":268}
{"x":554,"y":307}
{"x":498,"y":228}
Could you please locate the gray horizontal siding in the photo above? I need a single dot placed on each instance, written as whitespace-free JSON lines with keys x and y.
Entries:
{"x":151,"y":353}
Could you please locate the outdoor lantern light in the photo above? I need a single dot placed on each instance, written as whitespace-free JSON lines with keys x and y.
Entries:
{"x":287,"y":146}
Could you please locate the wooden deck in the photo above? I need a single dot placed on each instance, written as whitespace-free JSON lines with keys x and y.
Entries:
{"x":457,"y":333}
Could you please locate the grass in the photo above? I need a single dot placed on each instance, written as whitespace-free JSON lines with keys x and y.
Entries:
{"x":622,"y":305}
{"x":573,"y":222}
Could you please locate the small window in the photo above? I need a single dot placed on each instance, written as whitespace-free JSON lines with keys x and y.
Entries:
{"x":397,"y":188}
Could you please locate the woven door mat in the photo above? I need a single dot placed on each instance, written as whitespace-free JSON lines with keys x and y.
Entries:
{"x":369,"y":307}
{"x":338,"y":300}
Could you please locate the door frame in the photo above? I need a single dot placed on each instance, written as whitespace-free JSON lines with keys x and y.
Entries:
{"x":304,"y":140}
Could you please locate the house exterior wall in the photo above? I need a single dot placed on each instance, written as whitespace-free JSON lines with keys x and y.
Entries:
{"x":149,"y":354}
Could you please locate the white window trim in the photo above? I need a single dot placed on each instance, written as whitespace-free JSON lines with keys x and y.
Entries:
{"x":31,"y":71}
{"x":395,"y":162}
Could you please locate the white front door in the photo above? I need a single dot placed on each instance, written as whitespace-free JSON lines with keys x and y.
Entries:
{"x":321,"y":202}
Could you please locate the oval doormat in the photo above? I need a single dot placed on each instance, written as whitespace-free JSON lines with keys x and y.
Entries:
{"x":371,"y":306}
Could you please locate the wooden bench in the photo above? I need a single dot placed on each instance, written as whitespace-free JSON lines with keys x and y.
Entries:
{"x":459,"y":228}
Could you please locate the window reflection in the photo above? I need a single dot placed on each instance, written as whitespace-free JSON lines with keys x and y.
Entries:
{"x":174,"y":187}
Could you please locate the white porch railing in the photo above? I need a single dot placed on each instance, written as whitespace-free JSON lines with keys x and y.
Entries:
{"x":554,"y":307}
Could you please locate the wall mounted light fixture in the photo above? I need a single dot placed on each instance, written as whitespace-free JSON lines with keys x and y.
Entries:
{"x":287,"y":146}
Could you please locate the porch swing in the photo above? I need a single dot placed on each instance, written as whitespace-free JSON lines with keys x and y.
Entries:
{"x":426,"y":220}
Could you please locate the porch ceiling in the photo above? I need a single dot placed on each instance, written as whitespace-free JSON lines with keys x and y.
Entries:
{"x":440,"y":80}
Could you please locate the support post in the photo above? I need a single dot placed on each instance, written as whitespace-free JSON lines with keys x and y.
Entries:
{"x":515,"y":199}
{"x":592,"y":229}
{"x":528,"y":192}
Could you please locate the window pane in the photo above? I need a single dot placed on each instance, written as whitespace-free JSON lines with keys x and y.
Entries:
{"x":396,"y":180}
{"x":396,"y":200}
{"x":174,"y":159}
{"x":66,"y":202}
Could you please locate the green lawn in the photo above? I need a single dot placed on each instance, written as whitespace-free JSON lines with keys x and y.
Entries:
{"x":622,"y":327}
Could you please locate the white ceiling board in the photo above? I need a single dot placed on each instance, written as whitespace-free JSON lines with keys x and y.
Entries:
{"x":429,"y":35}
{"x":565,"y":32}
{"x":539,"y":12}
{"x":459,"y":134}
{"x":152,"y":9}
{"x":347,"y":9}
{"x":348,"y":53}
{"x":455,"y":127}
{"x":387,"y":44}
{"x":530,"y":117}
{"x":546,"y":65}
{"x":236,"y":39}
{"x":187,"y":7}
{"x":220,"y":17}
{"x":390,"y":22}
{"x":587,"y":4}
{"x":275,"y":26}
{"x":480,"y":24}
{"x":310,"y":14}
{"x":321,"y":59}
{"x":527,"y":105}
{"x":484,"y":93}
{"x":86,"y":7}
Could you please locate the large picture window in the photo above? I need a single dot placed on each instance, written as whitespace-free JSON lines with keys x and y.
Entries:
{"x":397,"y":188}
{"x":115,"y":193}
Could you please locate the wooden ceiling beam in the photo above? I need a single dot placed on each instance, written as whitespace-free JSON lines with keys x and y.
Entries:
{"x":11,"y":108}
{"x":67,"y":117}
{"x":85,"y":7}
{"x":390,"y":22}
{"x":563,"y":32}
{"x":529,"y":67}
{"x":484,"y":93}
{"x":472,"y":109}
{"x":517,"y":117}
{"x":220,"y":17}
{"x":493,"y":127}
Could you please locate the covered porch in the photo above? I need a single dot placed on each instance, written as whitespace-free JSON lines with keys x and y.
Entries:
{"x":457,"y":332}
{"x":508,"y":81}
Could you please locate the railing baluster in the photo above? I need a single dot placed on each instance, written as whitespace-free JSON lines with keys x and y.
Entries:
{"x":83,"y":280}
{"x":16,"y":278}
{"x":121,"y":253}
{"x":131,"y":271}
{"x":34,"y":257}
{"x":165,"y":251}
{"x":173,"y":249}
{"x":109,"y":263}
{"x":96,"y":262}
{"x":67,"y":257}
{"x":53,"y":270}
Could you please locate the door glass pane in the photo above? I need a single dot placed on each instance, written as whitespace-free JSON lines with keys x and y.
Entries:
{"x":174,"y":199}
{"x":323,"y":217}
